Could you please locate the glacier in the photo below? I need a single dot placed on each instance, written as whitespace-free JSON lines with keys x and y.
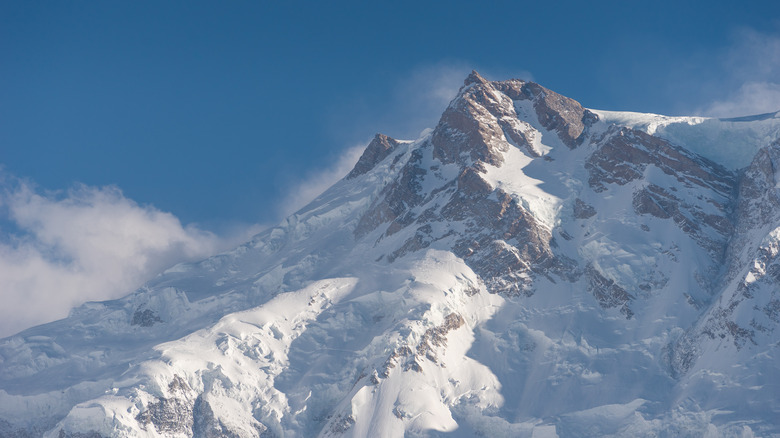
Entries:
{"x":527,"y":268}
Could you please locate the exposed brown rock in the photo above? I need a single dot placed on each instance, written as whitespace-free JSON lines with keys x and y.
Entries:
{"x":470,"y":182}
{"x":341,"y":424}
{"x":624,"y":154}
{"x":659,"y":202}
{"x":420,"y":240}
{"x":145,"y":318}
{"x":583,"y":210}
{"x":560,"y":114}
{"x":467,"y":131}
{"x":171,"y":415}
{"x":608,"y":293}
{"x":379,"y":148}
{"x":506,"y":245}
{"x":474,"y":78}
{"x":758,"y":208}
{"x":475,"y":124}
{"x":396,"y":199}
{"x":437,"y":336}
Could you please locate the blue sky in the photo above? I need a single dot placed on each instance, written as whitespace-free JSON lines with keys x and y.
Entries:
{"x":197,"y":120}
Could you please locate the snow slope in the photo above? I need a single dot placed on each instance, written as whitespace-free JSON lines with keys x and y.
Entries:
{"x":527,"y":268}
{"x":730,"y":142}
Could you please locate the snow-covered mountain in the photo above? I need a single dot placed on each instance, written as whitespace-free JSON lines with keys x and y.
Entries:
{"x":528,"y":268}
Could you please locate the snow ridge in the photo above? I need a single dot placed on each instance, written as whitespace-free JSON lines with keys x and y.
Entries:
{"x":527,"y":268}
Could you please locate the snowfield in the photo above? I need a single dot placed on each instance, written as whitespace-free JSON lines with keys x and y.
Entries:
{"x":528,"y":268}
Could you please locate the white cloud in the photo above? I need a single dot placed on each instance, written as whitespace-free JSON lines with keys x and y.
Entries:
{"x":312,"y":185}
{"x":751,"y":80}
{"x":93,"y":243}
{"x":90,"y":243}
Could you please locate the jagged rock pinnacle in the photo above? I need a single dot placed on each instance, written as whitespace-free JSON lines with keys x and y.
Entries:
{"x":379,"y":148}
{"x":474,"y":78}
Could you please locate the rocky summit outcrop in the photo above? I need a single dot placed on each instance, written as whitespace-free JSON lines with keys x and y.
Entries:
{"x":526,"y":268}
{"x":500,"y":235}
{"x":379,"y":148}
{"x":480,"y":122}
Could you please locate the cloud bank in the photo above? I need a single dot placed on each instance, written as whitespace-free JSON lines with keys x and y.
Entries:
{"x":89,"y":243}
{"x":93,"y":243}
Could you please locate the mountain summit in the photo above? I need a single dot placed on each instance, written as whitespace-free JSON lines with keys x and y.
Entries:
{"x":528,"y":268}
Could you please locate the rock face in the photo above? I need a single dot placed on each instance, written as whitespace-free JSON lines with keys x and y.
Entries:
{"x":746,"y":311}
{"x":525,"y":269}
{"x":379,"y":148}
{"x":625,"y":156}
{"x":502,"y":240}
{"x":172,"y":415}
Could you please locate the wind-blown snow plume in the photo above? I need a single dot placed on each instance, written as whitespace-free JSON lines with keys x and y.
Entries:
{"x":752,"y":64}
{"x":317,"y":182}
{"x":421,"y":96}
{"x":424,"y":93}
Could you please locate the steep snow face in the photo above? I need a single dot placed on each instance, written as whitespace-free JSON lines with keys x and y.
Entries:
{"x":729,"y":142}
{"x":733,"y":346}
{"x":529,"y":268}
